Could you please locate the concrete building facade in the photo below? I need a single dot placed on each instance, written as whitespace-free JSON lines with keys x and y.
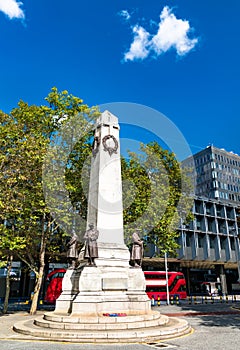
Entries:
{"x":211,"y":241}
{"x":209,"y":245}
{"x":216,"y":173}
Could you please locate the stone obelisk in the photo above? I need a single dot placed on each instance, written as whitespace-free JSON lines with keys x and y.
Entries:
{"x":112,"y":285}
{"x":105,"y":209}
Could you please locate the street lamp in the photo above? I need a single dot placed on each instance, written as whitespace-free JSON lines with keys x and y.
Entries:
{"x":166,"y":270}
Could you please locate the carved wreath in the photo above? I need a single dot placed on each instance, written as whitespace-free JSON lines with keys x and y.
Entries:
{"x":106,"y":148}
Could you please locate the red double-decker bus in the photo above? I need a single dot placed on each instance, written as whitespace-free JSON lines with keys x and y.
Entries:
{"x":54,"y":285}
{"x":156,"y":285}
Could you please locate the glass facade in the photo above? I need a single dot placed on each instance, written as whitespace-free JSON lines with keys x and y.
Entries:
{"x":216,"y":173}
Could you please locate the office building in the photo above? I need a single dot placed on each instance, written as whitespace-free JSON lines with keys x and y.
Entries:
{"x":209,"y":244}
{"x":216,"y":174}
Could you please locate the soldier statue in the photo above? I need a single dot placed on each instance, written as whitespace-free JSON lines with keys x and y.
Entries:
{"x":91,"y":248}
{"x":137,"y":249}
{"x":72,"y":252}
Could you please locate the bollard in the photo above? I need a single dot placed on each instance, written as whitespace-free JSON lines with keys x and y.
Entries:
{"x":189,"y":300}
{"x":226,"y":298}
{"x":152,"y":301}
{"x":158,"y":301}
{"x":235,"y":298}
{"x":171,"y":300}
{"x":177,"y":299}
{"x":195,"y":299}
{"x":212,"y":299}
{"x":221,"y":299}
{"x":206,"y":300}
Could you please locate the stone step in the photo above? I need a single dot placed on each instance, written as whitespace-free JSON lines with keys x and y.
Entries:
{"x":57,"y":317}
{"x":174,"y":328}
{"x":102,"y":324}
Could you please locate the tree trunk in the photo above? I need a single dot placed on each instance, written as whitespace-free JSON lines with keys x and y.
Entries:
{"x":40,"y":274}
{"x":37,"y":288}
{"x":7,"y":291}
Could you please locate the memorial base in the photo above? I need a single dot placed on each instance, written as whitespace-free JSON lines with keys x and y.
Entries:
{"x":103,"y":304}
{"x":112,"y":286}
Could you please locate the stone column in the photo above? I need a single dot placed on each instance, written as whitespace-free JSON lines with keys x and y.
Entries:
{"x":105,"y":209}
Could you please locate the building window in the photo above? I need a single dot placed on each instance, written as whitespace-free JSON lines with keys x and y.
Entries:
{"x":222,"y":242}
{"x":230,"y":213}
{"x":232,"y":243}
{"x":211,"y":225}
{"x":188,"y":240}
{"x":209,"y":209}
{"x":219,"y":211}
{"x":198,"y":207}
{"x":212,"y":241}
{"x":200,"y":241}
{"x":222,"y":226}
{"x":214,"y":175}
{"x":199,"y":222}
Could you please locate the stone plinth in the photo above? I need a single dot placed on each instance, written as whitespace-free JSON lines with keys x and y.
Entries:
{"x":104,"y":289}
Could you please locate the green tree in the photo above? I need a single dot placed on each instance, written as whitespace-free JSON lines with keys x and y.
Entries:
{"x":10,"y":202}
{"x":26,"y":135}
{"x":157,"y":194}
{"x":9,"y":242}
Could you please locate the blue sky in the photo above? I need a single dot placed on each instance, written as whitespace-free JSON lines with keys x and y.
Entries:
{"x":180,"y":58}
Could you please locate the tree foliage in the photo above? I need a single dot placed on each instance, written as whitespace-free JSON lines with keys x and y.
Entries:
{"x":25,"y":135}
{"x":156,"y":196}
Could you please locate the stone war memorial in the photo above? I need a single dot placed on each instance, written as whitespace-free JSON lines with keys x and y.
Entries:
{"x":104,"y":300}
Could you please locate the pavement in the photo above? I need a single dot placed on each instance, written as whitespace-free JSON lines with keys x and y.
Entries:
{"x":8,"y":320}
{"x":187,"y":308}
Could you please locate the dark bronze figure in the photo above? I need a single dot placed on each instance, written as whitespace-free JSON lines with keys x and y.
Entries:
{"x":72,"y":252}
{"x":137,"y":249}
{"x":91,"y":248}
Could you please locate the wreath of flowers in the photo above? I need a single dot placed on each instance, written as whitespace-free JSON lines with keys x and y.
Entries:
{"x":107,"y":148}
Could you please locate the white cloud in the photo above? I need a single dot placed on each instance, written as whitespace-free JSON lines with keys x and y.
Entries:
{"x":172,"y":33}
{"x":125,"y":14}
{"x":12,"y":9}
{"x":138,"y":48}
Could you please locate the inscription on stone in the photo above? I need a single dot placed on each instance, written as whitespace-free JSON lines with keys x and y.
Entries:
{"x":114,"y":283}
